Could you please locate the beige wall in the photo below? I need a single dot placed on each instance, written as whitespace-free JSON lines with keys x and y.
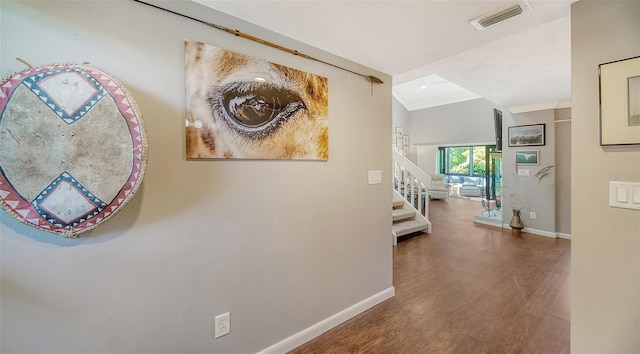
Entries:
{"x":282,"y":245}
{"x":605,"y":253}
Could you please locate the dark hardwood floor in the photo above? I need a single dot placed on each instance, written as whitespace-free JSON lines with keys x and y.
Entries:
{"x":465,"y":288}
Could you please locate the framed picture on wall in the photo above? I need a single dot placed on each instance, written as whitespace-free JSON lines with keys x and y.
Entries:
{"x":527,"y":135}
{"x":528,"y":157}
{"x":399,"y":132}
{"x":620,"y":102}
{"x":406,"y":151}
{"x":405,"y":140}
{"x":399,"y":141}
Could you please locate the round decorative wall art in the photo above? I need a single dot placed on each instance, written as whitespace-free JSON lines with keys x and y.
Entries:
{"x":73,"y":147}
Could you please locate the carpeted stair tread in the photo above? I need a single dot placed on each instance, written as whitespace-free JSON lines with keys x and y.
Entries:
{"x":409,"y":226}
{"x":402,"y":214}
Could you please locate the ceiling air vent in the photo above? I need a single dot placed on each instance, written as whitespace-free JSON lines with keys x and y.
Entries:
{"x":497,"y":16}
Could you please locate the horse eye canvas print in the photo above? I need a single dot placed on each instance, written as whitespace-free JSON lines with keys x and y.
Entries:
{"x":242,"y":107}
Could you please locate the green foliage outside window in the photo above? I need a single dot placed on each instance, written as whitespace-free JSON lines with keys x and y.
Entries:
{"x":459,"y":160}
{"x":464,"y":160}
{"x":479,"y":160}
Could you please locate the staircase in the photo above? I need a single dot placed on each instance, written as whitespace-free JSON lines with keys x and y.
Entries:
{"x":406,"y":218}
{"x":410,"y":213}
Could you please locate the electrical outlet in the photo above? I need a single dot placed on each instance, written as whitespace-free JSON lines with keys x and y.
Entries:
{"x":222,"y":325}
{"x":533,"y":215}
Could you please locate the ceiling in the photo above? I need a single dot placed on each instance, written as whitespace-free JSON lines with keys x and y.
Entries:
{"x":431,"y":49}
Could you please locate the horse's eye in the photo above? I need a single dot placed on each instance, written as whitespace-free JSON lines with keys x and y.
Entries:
{"x":254,"y":109}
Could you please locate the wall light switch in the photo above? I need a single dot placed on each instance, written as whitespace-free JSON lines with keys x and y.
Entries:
{"x":523,"y":172}
{"x":375,"y":177}
{"x":621,"y":194}
{"x":625,"y":195}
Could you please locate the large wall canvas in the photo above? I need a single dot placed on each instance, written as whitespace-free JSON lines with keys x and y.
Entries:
{"x":242,"y":107}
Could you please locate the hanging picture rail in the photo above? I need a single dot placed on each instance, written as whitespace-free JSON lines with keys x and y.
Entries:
{"x":372,"y":79}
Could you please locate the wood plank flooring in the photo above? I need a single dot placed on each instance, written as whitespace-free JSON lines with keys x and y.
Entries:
{"x":465,"y":288}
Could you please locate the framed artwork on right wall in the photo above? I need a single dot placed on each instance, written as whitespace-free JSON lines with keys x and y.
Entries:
{"x":527,"y":135}
{"x":620,"y":102}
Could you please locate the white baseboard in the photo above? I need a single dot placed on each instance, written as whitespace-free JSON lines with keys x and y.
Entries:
{"x":534,"y":231}
{"x":564,"y":236}
{"x":489,"y":222}
{"x":317,"y":329}
{"x":539,"y":232}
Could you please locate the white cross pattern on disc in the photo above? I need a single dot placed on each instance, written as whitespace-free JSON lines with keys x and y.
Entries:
{"x":70,"y":91}
{"x":67,"y":203}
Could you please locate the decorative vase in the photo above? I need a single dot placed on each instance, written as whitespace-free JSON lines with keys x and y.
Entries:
{"x":516,"y":222}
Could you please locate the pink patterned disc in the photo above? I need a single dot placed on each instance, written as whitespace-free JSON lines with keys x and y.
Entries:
{"x":73,"y":147}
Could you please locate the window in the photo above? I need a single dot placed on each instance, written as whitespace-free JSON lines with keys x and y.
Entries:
{"x":464,"y":160}
{"x":469,"y":170}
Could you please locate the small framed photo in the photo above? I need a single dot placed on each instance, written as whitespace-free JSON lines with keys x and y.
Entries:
{"x":399,"y":141}
{"x":406,"y":151}
{"x":526,"y":135}
{"x":620,"y":102}
{"x":399,"y":132}
{"x":405,"y":140}
{"x":528,"y":157}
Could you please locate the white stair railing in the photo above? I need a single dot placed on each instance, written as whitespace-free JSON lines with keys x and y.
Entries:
{"x":412,"y":183}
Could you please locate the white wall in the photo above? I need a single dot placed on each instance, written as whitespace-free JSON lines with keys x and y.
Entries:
{"x":282,"y":245}
{"x":400,"y":115}
{"x":427,"y":158}
{"x":469,"y":122}
{"x":605,"y":247}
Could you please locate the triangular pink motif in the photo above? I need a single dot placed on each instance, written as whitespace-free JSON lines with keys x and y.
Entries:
{"x":7,"y":85}
{"x":119,"y":91}
{"x":23,"y":212}
{"x":3,"y":194}
{"x":34,"y":221}
{"x":12,"y":203}
{"x":120,"y":200}
{"x":107,"y":214}
{"x":130,"y":111}
{"x":112,"y":84}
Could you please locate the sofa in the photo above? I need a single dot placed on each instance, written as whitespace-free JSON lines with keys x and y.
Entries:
{"x":438,"y":189}
{"x":466,"y":186}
